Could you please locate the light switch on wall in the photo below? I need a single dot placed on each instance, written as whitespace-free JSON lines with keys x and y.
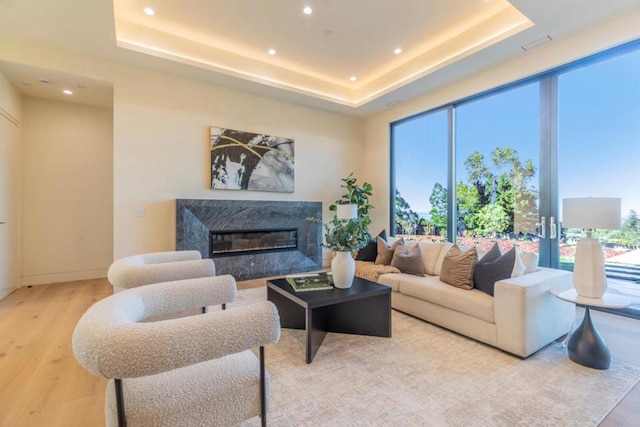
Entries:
{"x":138,"y":212}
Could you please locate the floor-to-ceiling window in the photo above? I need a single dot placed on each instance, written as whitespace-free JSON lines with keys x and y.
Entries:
{"x":497,"y":169}
{"x":509,"y":156}
{"x":420,"y":179}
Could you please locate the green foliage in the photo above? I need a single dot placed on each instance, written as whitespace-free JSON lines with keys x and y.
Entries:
{"x":505,"y":183}
{"x":627,"y":236}
{"x":356,"y":195}
{"x":468,"y":203}
{"x":345,"y":234}
{"x":407,"y":221}
{"x":438,"y":200}
{"x":491,"y":220}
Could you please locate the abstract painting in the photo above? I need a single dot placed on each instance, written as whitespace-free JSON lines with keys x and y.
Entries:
{"x":249,"y":161}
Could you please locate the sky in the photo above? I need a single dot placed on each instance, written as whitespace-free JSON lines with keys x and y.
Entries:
{"x":598,"y":135}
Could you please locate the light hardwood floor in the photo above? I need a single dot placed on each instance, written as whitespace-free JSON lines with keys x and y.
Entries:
{"x":41,"y":384}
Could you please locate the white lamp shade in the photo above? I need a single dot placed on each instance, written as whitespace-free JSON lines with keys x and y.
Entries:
{"x":347,"y":211}
{"x":596,"y":213}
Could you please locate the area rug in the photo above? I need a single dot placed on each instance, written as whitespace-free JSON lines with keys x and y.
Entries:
{"x":426,"y":375}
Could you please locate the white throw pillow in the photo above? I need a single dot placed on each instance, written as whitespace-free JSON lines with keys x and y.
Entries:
{"x":530,"y":261}
{"x":518,"y":266}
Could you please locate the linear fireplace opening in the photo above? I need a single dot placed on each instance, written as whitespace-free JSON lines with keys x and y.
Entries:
{"x":225,"y":243}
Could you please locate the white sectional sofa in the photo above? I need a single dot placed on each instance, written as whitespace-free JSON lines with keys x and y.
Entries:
{"x":520,"y":318}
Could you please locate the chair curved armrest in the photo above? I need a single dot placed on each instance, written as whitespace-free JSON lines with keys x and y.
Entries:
{"x":129,"y":349}
{"x":170,"y":256}
{"x":123,"y":274}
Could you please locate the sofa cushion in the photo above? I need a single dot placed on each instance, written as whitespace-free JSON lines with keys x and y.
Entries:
{"x":472,"y":302}
{"x":444,"y":249}
{"x":487,"y":273}
{"x":430,"y":252}
{"x":457,"y":267}
{"x":408,"y":260}
{"x":370,"y":251}
{"x":385,"y":250}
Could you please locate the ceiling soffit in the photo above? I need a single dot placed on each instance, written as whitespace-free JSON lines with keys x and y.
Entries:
{"x":182,"y":35}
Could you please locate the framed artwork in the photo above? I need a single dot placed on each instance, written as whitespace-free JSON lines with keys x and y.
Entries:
{"x":249,"y":161}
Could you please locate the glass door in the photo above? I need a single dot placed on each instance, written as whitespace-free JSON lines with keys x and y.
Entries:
{"x":497,"y":170}
{"x":599,"y":155}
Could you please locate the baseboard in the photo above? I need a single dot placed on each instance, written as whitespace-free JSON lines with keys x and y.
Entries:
{"x":70,"y":276}
{"x":5,"y":291}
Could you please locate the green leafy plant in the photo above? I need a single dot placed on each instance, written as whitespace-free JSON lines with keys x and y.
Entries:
{"x":345,"y":235}
{"x":356,"y":195}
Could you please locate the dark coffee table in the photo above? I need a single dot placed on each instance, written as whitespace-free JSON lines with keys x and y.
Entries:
{"x":363,"y":309}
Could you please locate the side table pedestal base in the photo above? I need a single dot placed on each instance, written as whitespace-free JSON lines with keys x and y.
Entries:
{"x":587,"y":347}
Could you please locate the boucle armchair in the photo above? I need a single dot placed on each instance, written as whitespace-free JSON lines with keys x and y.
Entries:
{"x":196,"y":370}
{"x":137,"y":270}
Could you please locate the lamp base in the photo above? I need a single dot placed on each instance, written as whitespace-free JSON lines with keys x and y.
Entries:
{"x":589,"y":277}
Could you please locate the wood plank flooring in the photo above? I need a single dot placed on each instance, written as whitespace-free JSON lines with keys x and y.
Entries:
{"x":41,"y":384}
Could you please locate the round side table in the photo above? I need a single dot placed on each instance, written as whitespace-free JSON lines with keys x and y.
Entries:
{"x":585,"y":345}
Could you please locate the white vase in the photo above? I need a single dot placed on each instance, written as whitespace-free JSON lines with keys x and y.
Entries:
{"x":343,"y":269}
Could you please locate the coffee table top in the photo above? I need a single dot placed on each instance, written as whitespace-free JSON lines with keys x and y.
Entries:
{"x":361,"y":288}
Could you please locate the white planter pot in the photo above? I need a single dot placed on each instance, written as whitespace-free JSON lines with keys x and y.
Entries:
{"x":346,"y":211}
{"x":343,"y":269}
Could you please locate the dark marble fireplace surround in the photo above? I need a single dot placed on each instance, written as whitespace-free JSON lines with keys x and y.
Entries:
{"x":196,"y":219}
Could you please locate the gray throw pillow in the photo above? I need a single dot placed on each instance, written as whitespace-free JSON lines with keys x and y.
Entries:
{"x":491,"y":255}
{"x":487,"y":274}
{"x":408,"y":260}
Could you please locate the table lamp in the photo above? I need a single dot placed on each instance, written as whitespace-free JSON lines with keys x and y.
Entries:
{"x":590,"y":213}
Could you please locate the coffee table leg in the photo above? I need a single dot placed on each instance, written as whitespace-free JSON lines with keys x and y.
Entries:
{"x":587,"y":347}
{"x":316,"y":331}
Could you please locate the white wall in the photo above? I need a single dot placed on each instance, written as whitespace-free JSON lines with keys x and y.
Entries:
{"x":161,"y":150}
{"x":10,"y":184}
{"x":67,"y":191}
{"x":545,"y":57}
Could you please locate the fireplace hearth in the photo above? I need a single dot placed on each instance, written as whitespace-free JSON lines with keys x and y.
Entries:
{"x":252,"y":239}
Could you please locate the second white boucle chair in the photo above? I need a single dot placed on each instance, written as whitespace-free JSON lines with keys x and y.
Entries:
{"x":137,"y":270}
{"x":196,"y":370}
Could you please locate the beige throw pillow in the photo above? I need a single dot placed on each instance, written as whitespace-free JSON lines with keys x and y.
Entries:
{"x":430,"y":252}
{"x":385,"y":251}
{"x":457,"y":267}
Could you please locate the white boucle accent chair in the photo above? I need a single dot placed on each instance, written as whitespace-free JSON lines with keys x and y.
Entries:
{"x":145,"y":269}
{"x":190,"y":371}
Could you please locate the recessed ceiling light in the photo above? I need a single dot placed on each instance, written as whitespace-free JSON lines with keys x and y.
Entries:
{"x":307,"y":10}
{"x":67,"y":92}
{"x":397,"y":51}
{"x":353,"y":78}
{"x":149,"y":11}
{"x":271,"y":51}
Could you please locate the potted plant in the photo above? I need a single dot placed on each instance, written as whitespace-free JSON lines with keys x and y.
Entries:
{"x":356,"y":195}
{"x":344,"y":236}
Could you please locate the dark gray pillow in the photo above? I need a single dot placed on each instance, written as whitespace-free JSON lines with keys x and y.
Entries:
{"x":491,"y":255}
{"x":370,"y":252}
{"x":408,"y":260}
{"x":487,"y":274}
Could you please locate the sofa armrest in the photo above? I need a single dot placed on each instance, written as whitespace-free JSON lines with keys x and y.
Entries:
{"x":527,"y":315}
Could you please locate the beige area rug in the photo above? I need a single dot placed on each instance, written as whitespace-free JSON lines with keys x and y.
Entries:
{"x":427,"y":376}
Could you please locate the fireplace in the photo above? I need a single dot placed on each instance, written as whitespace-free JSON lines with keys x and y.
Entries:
{"x":252,"y":239}
{"x":236,"y":242}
